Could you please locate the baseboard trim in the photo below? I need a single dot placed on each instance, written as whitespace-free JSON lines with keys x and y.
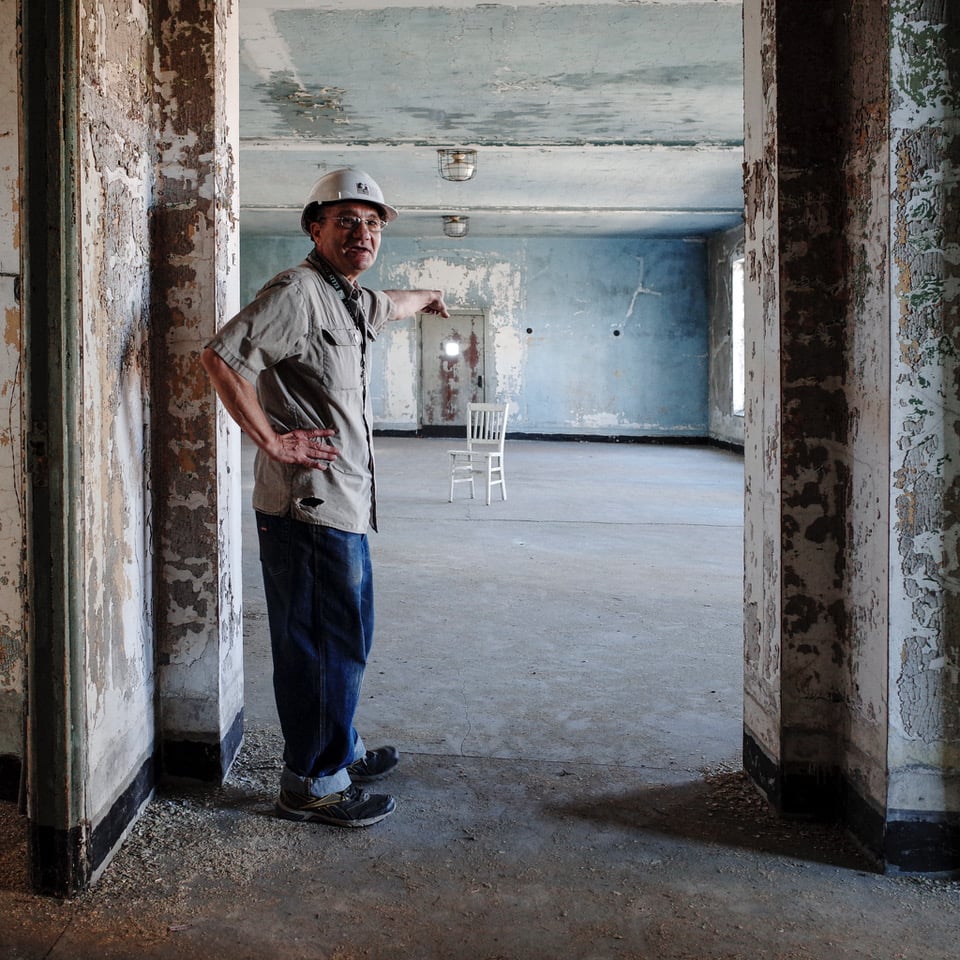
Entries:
{"x":63,"y":862}
{"x":762,"y":769}
{"x":124,"y":811}
{"x":925,"y":842}
{"x":904,"y":841}
{"x":208,"y":761}
{"x":11,"y":769}
{"x":456,"y":431}
{"x":59,"y":866}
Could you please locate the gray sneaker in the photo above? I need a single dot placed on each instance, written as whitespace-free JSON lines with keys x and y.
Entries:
{"x":354,"y":807}
{"x":374,"y":765}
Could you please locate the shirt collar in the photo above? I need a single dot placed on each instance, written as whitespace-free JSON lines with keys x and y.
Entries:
{"x":351,"y":286}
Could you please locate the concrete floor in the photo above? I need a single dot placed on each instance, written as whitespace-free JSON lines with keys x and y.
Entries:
{"x":562,"y":674}
{"x":589,"y":619}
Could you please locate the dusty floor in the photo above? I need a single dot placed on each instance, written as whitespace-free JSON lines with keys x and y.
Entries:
{"x":561,"y":673}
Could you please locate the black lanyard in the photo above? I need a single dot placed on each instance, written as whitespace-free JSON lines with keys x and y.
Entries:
{"x":353,"y":304}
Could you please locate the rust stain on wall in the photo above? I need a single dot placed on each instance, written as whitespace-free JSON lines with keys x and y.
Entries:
{"x":13,"y":329}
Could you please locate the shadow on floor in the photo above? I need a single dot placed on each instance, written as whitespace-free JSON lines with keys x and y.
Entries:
{"x":723,"y":809}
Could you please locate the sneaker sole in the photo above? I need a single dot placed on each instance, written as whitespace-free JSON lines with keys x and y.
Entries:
{"x":314,"y":816}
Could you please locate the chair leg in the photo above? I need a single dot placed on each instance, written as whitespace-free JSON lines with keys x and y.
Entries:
{"x":498,"y":470}
{"x":461,"y":473}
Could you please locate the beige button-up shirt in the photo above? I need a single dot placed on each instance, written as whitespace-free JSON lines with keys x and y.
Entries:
{"x":307,"y":356}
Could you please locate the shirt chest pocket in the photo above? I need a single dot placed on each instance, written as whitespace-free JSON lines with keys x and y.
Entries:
{"x":342,"y":358}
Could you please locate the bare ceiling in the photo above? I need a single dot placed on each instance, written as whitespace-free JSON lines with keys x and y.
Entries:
{"x":590,"y":119}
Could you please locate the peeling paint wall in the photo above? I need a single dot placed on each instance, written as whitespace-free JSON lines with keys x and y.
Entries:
{"x":815,"y":471}
{"x":762,"y":445}
{"x":818,"y":403}
{"x":584,"y":337}
{"x":852,"y":196}
{"x":12,"y":503}
{"x":816,"y":421}
{"x":864,"y":149}
{"x":195,"y":277}
{"x":151,"y":214}
{"x":115,"y":189}
{"x":925,"y":418}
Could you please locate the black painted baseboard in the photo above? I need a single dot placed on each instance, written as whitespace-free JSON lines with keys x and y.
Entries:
{"x":63,"y":862}
{"x":923,"y":842}
{"x":761,"y":769}
{"x":903,"y":841}
{"x":10,"y":771}
{"x":203,"y":760}
{"x":110,"y":829}
{"x":454,"y":431}
{"x":59,"y":865}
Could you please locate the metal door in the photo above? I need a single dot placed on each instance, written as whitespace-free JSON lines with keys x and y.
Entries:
{"x":451,"y":368}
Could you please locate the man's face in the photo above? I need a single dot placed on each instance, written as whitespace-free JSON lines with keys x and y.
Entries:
{"x":349,"y":251}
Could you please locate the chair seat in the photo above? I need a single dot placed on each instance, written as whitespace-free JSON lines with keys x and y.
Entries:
{"x":474,"y":455}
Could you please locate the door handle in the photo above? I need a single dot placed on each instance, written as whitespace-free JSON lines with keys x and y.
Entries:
{"x":480,"y":380}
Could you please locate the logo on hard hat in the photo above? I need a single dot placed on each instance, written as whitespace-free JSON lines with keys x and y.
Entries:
{"x":363,"y":188}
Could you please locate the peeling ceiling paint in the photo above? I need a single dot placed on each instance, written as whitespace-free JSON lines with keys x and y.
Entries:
{"x":590,"y":118}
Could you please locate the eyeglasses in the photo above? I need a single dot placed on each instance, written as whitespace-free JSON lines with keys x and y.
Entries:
{"x":374,"y":224}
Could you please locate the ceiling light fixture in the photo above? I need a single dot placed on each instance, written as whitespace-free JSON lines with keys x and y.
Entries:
{"x":457,"y":164}
{"x":456,"y":226}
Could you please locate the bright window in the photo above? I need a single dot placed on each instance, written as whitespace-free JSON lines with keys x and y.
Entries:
{"x":737,"y":336}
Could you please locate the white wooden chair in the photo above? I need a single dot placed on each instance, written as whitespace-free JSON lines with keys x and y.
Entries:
{"x":486,"y":433}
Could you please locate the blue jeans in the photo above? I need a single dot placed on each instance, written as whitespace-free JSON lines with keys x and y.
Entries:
{"x":319,"y":591}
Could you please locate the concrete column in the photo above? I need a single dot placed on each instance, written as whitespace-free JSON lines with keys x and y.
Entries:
{"x":923,"y":799}
{"x":853,"y":417}
{"x":814,"y":417}
{"x":762,"y":401}
{"x":195,"y":241}
{"x":815,"y":420}
{"x":123,"y":434}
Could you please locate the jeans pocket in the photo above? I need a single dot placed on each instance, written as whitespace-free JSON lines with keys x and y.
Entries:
{"x":274,"y":535}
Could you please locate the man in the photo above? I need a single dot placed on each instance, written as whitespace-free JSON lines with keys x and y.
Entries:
{"x":292,"y":370}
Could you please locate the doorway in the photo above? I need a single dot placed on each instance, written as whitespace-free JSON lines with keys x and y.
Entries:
{"x":451,"y":368}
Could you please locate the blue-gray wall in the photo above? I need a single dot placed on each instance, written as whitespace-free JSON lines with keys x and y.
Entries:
{"x":605,"y":337}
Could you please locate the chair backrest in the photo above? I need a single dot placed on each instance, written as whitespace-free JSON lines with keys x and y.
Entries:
{"x":487,"y":424}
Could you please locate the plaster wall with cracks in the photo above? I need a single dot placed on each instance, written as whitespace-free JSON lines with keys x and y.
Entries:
{"x":12,"y":479}
{"x":115,"y":189}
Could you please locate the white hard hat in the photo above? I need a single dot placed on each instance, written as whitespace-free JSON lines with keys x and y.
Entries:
{"x":346,"y":184}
